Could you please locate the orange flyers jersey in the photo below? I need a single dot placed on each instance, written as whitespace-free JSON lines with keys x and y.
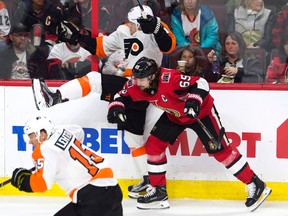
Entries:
{"x":63,"y":159}
{"x":135,"y":46}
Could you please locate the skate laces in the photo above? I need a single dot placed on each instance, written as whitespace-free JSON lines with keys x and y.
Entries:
{"x":251,"y":188}
{"x":150,"y":191}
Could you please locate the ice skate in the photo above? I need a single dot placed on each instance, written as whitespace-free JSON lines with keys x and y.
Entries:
{"x":156,"y":198}
{"x":134,"y":191}
{"x":43,"y":96}
{"x":257,"y":193}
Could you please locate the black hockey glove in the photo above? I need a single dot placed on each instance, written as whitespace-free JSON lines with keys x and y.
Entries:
{"x":67,"y":32}
{"x":150,"y":25}
{"x":116,"y":113}
{"x":192,"y":106}
{"x":18,"y":176}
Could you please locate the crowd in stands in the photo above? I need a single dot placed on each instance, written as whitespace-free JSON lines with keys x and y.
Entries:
{"x":248,"y":37}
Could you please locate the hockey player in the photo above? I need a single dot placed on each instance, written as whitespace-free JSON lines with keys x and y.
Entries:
{"x":140,"y":36}
{"x":60,"y":156}
{"x":182,"y":98}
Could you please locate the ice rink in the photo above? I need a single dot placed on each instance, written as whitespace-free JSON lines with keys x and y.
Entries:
{"x":44,"y":206}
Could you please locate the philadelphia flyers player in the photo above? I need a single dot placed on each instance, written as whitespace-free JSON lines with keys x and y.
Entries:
{"x":60,"y":156}
{"x":140,"y":36}
{"x":182,"y":98}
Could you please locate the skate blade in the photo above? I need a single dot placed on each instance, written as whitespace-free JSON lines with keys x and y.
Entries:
{"x":154,"y":205}
{"x":266,"y":192}
{"x":135,"y":195}
{"x":38,"y":95}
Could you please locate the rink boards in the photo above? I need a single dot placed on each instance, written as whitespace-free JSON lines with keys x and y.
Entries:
{"x":254,"y":116}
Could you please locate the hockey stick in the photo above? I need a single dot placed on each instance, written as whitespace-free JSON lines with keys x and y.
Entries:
{"x":208,"y":133}
{"x":9,"y":180}
{"x":144,"y":15}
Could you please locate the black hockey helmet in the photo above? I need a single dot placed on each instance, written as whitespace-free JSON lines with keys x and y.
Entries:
{"x":144,"y":67}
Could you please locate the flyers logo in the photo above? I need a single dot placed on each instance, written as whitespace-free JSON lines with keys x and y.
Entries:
{"x":132,"y":46}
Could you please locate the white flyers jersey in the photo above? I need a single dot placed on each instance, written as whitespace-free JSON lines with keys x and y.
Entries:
{"x":135,"y":46}
{"x":63,"y":159}
{"x":5,"y":21}
{"x":63,"y":54}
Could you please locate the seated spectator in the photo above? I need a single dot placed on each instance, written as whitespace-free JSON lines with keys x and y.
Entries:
{"x":41,"y":12}
{"x":254,"y":22}
{"x":277,"y":72}
{"x":115,"y":64}
{"x":235,"y":65}
{"x":195,"y":24}
{"x":281,"y":26}
{"x":67,"y":61}
{"x":81,"y":10}
{"x":4,"y":25}
{"x":21,"y":60}
{"x":191,"y":67}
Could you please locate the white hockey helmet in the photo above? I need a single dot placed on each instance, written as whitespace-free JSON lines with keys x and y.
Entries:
{"x":136,"y":13}
{"x":38,"y":123}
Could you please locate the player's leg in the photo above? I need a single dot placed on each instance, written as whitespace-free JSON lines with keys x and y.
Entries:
{"x":134,"y":130}
{"x":105,"y":201}
{"x":231,"y":158}
{"x":69,"y":210}
{"x":163,"y":134}
{"x":73,"y":89}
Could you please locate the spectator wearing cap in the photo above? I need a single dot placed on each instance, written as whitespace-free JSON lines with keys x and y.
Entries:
{"x":21,"y":60}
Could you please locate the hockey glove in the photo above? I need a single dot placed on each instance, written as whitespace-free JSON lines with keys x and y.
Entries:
{"x":116,"y":113}
{"x":67,"y":32}
{"x":18,"y":176}
{"x":150,"y":25}
{"x":192,"y":105}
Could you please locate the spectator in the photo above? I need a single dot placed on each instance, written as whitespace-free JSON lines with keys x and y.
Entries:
{"x":191,"y":68}
{"x":235,"y":65}
{"x":21,"y":60}
{"x":254,"y":22}
{"x":281,"y":26}
{"x":42,"y":12}
{"x":67,"y":61}
{"x":4,"y":25}
{"x":80,"y":10}
{"x":115,"y":64}
{"x":277,"y":72}
{"x":193,"y":23}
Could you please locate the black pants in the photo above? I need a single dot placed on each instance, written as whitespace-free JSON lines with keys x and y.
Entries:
{"x":135,"y":112}
{"x":95,"y":201}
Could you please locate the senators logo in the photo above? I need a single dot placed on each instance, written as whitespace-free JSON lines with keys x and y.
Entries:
{"x":132,"y":46}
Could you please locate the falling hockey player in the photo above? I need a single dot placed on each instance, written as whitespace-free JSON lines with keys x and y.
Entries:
{"x":185,"y":101}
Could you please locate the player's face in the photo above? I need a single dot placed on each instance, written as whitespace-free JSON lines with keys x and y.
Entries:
{"x":143,"y":83}
{"x":33,"y":139}
{"x":231,"y":46}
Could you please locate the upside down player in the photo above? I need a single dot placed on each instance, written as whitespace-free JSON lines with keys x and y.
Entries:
{"x":60,"y":156}
{"x":138,"y":37}
{"x":182,"y":98}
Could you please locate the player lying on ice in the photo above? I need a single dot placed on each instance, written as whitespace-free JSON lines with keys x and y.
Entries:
{"x":140,"y":36}
{"x":60,"y":156}
{"x":183,"y":99}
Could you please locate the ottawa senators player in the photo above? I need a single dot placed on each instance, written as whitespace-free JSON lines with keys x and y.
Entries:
{"x":142,"y":35}
{"x":182,"y":98}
